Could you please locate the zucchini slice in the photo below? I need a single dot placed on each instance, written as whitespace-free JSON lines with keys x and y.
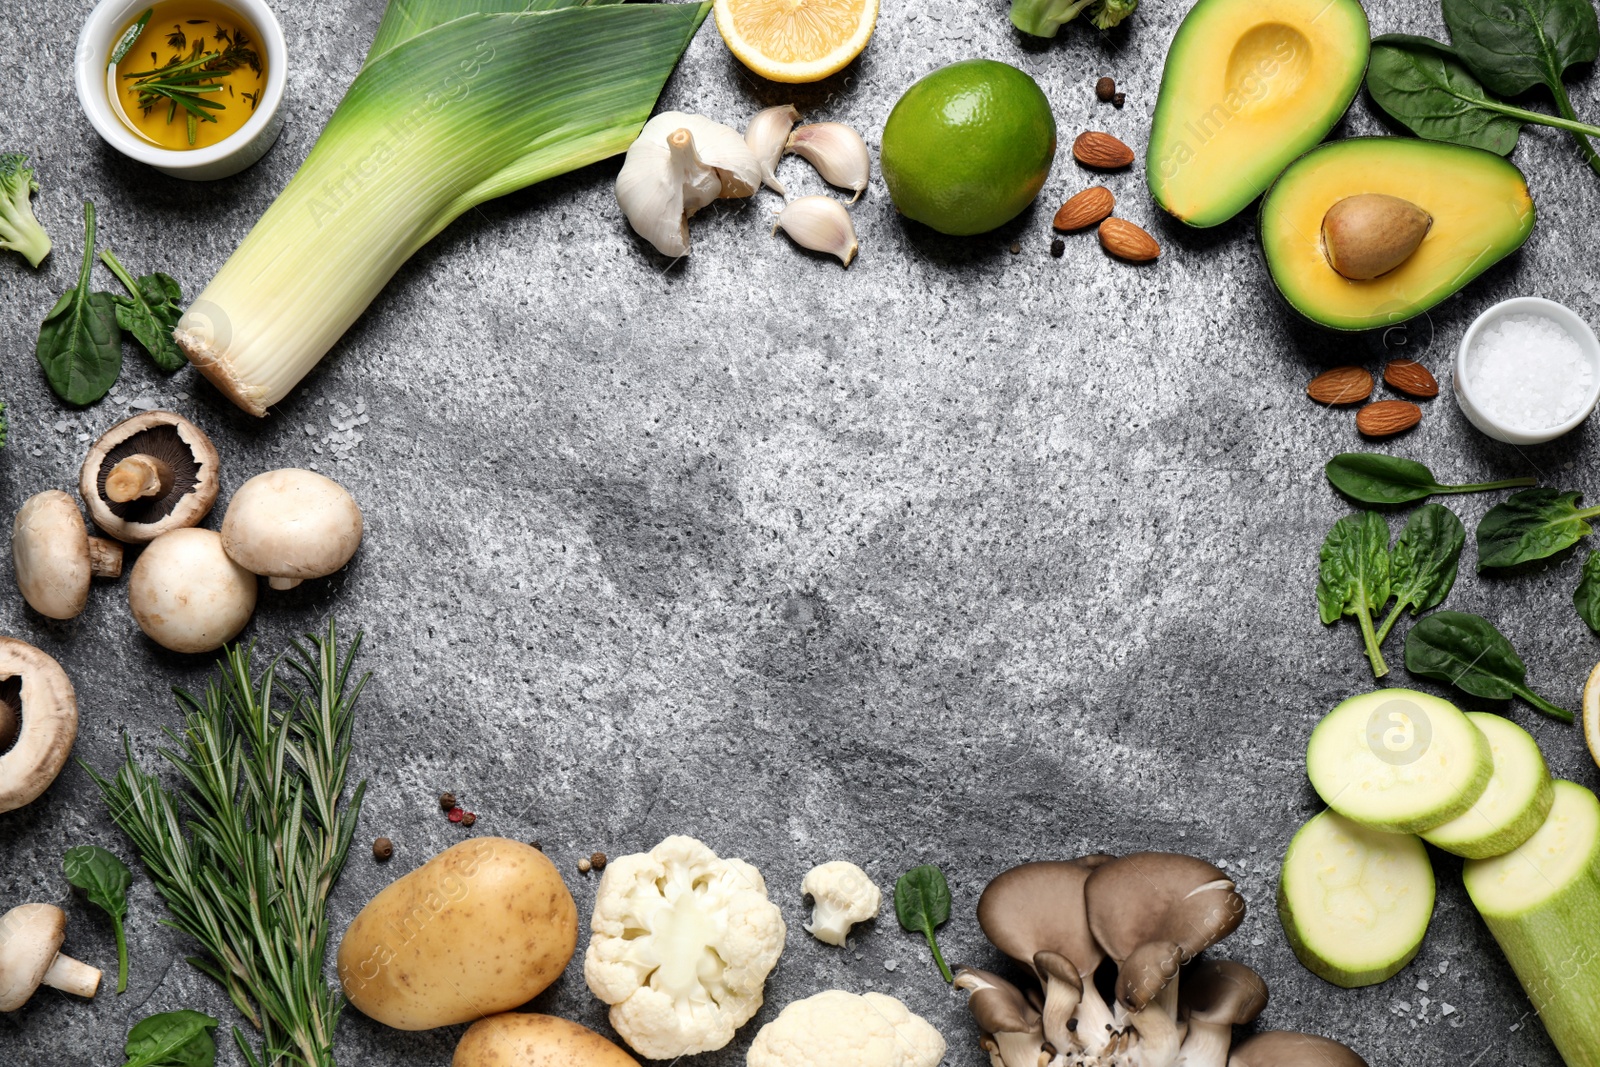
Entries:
{"x":1514,"y":806}
{"x":1399,"y":761}
{"x":1355,"y":903}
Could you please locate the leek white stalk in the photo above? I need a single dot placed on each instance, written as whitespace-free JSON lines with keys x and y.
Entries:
{"x":444,"y":116}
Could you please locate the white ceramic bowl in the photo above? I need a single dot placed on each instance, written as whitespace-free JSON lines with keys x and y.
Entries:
{"x":246,"y":145}
{"x":1562,"y":316}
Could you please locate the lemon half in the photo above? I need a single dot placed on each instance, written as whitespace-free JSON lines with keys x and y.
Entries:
{"x":796,"y":40}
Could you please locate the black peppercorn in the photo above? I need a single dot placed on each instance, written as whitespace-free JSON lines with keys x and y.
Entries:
{"x":1105,"y":89}
{"x":1058,"y":248}
{"x":447,"y":801}
{"x":382,"y":849}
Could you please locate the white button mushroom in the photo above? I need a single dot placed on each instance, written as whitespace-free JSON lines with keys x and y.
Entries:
{"x":38,"y":722}
{"x":843,"y":896}
{"x":30,"y":956}
{"x":55,"y":556}
{"x":290,"y":525}
{"x":149,"y":474}
{"x":187,"y":595}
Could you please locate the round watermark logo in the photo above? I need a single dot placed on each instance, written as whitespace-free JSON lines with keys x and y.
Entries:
{"x":1399,"y":732}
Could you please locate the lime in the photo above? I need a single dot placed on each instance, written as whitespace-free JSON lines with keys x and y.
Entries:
{"x":969,"y":147}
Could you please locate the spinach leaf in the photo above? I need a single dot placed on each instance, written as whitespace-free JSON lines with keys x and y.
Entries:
{"x":105,"y":880}
{"x":1533,"y":524}
{"x":1425,"y":87}
{"x":1354,"y":577}
{"x":172,"y":1039}
{"x":80,"y":346}
{"x":1513,"y":45}
{"x":1423,"y":564}
{"x":922,"y":904}
{"x":1587,"y":598}
{"x":1466,"y":651}
{"x":149,"y":312}
{"x":1372,"y":478}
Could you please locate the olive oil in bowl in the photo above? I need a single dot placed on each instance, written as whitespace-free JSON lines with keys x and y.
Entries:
{"x":186,"y":74}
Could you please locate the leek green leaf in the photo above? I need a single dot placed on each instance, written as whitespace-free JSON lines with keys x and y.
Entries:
{"x":405,"y":19}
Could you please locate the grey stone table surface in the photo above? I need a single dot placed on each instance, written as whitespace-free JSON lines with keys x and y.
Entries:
{"x":960,"y":556}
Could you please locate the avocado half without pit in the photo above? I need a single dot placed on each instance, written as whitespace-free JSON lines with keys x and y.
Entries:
{"x":1370,"y":234}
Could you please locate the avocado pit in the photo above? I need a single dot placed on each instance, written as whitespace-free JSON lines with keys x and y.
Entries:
{"x":1369,"y":235}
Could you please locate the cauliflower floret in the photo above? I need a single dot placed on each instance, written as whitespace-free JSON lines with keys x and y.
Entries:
{"x":682,"y":944}
{"x":839,"y":1029}
{"x":844,"y":896}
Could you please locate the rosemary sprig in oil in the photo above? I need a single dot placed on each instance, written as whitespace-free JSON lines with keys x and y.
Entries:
{"x":185,"y":83}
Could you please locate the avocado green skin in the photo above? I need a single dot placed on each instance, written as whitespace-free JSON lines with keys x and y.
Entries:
{"x":1554,"y":948}
{"x":1248,"y":188}
{"x":978,"y":112}
{"x":1399,"y":313}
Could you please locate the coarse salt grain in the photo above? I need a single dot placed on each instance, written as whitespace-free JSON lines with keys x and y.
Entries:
{"x":1527,"y":373}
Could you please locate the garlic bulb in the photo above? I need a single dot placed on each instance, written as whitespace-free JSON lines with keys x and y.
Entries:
{"x":838,"y":153}
{"x":821,"y":224}
{"x":767,"y":135}
{"x":679,"y":164}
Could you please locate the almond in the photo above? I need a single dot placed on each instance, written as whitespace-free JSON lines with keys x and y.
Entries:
{"x":1101,"y":151}
{"x":1341,"y":385}
{"x":1126,"y":241}
{"x":1086,"y":209}
{"x":1411,"y":378}
{"x":1388,"y":417}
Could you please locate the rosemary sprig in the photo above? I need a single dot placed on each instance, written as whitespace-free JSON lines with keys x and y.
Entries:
{"x":183,"y":82}
{"x":247,"y":855}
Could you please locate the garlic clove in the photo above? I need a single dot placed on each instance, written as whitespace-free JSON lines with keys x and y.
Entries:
{"x":838,"y":153}
{"x":679,"y":164}
{"x":821,"y":224}
{"x":767,"y":135}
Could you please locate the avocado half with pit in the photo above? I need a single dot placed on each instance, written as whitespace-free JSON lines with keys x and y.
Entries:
{"x":1248,"y":86}
{"x":1443,"y":214}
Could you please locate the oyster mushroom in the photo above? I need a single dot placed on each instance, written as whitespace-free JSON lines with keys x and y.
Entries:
{"x":290,"y":525}
{"x":1285,"y":1048}
{"x":56,"y":558}
{"x":39,"y":712}
{"x":148,"y":475}
{"x":30,"y":956}
{"x":1036,"y":914}
{"x":187,"y":595}
{"x":1217,"y":996}
{"x":1012,"y":1027}
{"x":1152,"y":912}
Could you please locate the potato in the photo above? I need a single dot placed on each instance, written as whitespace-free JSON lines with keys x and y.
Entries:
{"x":483,"y":927}
{"x":536,"y":1041}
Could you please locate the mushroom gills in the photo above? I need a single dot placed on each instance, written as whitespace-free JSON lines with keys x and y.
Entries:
{"x":10,"y":711}
{"x":1370,"y":234}
{"x":158,"y":450}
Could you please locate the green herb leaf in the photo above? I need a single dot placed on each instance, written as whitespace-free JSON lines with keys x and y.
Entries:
{"x":1466,"y":651}
{"x":149,"y":312}
{"x":1425,"y":87}
{"x":1587,"y":598}
{"x":1531,"y":525}
{"x":130,"y":36}
{"x":105,"y":880}
{"x":1354,"y":577}
{"x":80,"y":346}
{"x":1424,"y":562}
{"x":172,"y":1039}
{"x":922,"y":904}
{"x":1371,"y":478}
{"x":1513,"y":45}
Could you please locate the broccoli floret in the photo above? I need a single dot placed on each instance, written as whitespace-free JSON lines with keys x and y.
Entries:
{"x":19,"y":230}
{"x":1042,"y":18}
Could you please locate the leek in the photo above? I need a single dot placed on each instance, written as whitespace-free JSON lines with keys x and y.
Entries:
{"x":446,"y":113}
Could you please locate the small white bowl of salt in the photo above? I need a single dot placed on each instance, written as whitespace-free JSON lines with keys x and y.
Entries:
{"x":1528,"y":371}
